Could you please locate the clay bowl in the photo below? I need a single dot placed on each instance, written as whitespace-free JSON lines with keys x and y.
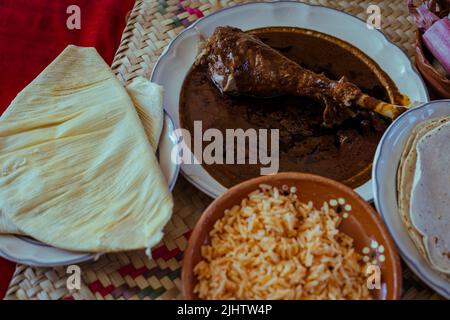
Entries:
{"x":362,"y":224}
{"x":436,"y":81}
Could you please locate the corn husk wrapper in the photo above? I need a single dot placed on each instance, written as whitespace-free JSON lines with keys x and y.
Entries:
{"x":147,"y":99}
{"x":77,"y":170}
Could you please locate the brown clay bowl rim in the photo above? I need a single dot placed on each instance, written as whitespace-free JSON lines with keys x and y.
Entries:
{"x":420,"y":54}
{"x":194,"y":242}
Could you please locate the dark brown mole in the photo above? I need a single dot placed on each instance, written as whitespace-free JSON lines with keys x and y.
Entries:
{"x":343,"y":153}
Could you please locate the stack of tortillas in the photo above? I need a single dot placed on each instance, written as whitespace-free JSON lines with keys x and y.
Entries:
{"x":424,"y":191}
{"x":78,"y":168}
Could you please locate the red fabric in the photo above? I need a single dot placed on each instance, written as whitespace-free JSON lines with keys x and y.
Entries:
{"x":34,"y":32}
{"x":6,"y":271}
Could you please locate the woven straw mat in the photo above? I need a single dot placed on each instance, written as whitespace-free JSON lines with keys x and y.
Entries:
{"x":131,"y":275}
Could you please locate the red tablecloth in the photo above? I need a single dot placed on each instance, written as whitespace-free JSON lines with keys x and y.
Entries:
{"x":34,"y":32}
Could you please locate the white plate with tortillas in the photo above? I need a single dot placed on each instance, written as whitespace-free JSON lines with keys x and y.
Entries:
{"x":411,"y":182}
{"x":84,"y":164}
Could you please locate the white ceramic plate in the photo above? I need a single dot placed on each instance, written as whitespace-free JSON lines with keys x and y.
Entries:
{"x":31,"y":252}
{"x":384,"y":176}
{"x":175,"y":62}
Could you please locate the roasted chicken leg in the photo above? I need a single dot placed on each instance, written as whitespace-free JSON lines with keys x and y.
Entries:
{"x":239,"y":63}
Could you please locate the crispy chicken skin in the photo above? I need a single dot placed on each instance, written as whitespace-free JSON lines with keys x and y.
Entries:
{"x":240,"y":64}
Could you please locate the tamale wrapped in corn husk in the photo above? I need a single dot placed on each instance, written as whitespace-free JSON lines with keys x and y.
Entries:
{"x":147,"y":99}
{"x":77,"y":170}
